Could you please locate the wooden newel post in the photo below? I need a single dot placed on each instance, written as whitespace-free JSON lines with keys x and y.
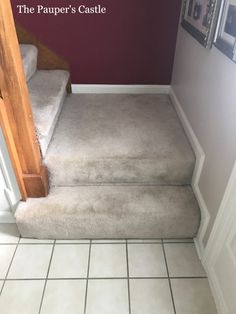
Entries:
{"x":33,"y":179}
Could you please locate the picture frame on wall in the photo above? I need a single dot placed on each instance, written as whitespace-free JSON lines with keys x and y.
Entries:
{"x":199,"y":18}
{"x":225,"y":39}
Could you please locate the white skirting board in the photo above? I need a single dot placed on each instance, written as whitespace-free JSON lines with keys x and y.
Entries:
{"x":120,"y":89}
{"x":200,"y":158}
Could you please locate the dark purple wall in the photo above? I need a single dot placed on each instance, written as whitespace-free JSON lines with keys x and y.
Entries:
{"x":133,"y":43}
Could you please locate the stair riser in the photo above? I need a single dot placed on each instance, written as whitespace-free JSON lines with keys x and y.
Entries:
{"x":111,"y":212}
{"x":30,"y":57}
{"x":107,"y":229}
{"x":118,"y":172}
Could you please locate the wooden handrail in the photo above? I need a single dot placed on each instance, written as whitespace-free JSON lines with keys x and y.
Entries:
{"x":18,"y":110}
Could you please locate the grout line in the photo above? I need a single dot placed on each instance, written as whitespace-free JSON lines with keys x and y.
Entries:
{"x":128,"y":282}
{"x":67,"y":243}
{"x":168,"y":274}
{"x":107,"y":241}
{"x":5,"y":279}
{"x":45,"y":284}
{"x":100,"y":278}
{"x":86,"y":290}
{"x":11,"y":243}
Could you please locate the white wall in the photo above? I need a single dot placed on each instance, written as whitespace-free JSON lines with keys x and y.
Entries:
{"x":9,"y":191}
{"x":204,"y":82}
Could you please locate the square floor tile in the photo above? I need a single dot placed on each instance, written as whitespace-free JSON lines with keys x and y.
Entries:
{"x":64,"y":297}
{"x":108,"y":260}
{"x":187,"y":240}
{"x":150,"y":296}
{"x":183,"y":261}
{"x":73,"y":241}
{"x":193,"y":296}
{"x":35,"y":241}
{"x":69,"y":261}
{"x":109,"y":241}
{"x":9,"y":233}
{"x":6,"y":254}
{"x":144,"y":241}
{"x":30,"y":261}
{"x":108,"y":296}
{"x":21,"y":297}
{"x":146,"y":260}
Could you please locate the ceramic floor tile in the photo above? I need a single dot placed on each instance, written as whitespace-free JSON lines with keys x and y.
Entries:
{"x":109,"y":241}
{"x":108,"y":260}
{"x":193,"y":296}
{"x":69,"y":261}
{"x":9,"y":233}
{"x":183,"y":261}
{"x":150,"y":296}
{"x":72,"y":241}
{"x":144,"y":241}
{"x":146,"y":260}
{"x":30,"y":261}
{"x":21,"y":297}
{"x":64,"y":297}
{"x":107,"y":297}
{"x":1,"y":284}
{"x":35,"y":241}
{"x":6,"y":254}
{"x":187,"y":240}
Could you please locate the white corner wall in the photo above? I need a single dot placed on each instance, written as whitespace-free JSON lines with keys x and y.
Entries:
{"x":9,"y":191}
{"x":204,"y":83}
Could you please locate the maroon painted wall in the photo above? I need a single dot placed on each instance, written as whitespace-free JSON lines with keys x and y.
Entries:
{"x":133,"y":43}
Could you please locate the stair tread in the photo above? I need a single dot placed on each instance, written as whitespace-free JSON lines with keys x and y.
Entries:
{"x":47,"y":90}
{"x":110,"y":212}
{"x":29,"y":54}
{"x":119,"y":139}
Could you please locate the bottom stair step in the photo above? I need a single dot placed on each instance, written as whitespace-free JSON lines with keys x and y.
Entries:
{"x":111,"y":212}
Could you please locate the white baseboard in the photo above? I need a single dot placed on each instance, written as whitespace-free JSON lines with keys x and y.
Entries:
{"x":7,"y":217}
{"x":200,"y":158}
{"x":120,"y":89}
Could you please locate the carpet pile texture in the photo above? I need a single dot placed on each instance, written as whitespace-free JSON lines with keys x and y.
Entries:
{"x":111,"y":212}
{"x":119,"y":139}
{"x":120,"y":165}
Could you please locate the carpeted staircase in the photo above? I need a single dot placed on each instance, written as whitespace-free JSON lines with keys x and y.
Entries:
{"x":120,"y":165}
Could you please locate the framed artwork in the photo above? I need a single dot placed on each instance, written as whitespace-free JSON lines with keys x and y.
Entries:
{"x":225,"y":39}
{"x":199,"y":18}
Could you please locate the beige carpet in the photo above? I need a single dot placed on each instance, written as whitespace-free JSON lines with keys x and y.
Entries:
{"x":111,"y":212}
{"x":119,"y":139}
{"x":120,"y":165}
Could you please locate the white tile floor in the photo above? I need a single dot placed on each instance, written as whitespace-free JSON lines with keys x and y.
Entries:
{"x":101,"y":277}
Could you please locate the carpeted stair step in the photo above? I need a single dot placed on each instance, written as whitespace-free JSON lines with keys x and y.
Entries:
{"x":29,"y":55}
{"x":47,"y":92}
{"x":111,"y":212}
{"x":119,"y":139}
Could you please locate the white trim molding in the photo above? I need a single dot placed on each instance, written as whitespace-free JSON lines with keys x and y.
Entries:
{"x":221,"y":235}
{"x":200,"y":159}
{"x":120,"y":89}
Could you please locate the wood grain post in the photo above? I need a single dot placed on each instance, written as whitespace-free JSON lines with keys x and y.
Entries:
{"x":18,"y":110}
